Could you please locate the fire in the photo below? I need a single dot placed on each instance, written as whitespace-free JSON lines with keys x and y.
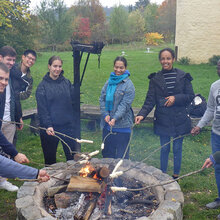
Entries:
{"x":89,"y":171}
{"x":86,"y":170}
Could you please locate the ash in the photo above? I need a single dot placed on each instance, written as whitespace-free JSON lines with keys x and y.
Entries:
{"x":127,"y":205}
{"x":70,"y":212}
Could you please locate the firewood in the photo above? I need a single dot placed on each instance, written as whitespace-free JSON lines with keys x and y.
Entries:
{"x":108,"y":201}
{"x":53,"y":190}
{"x":103,"y":172}
{"x":80,"y":208}
{"x":84,"y":184}
{"x":90,"y":209}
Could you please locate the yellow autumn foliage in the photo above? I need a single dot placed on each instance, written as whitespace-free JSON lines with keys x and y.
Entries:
{"x":153,"y":38}
{"x":10,"y":9}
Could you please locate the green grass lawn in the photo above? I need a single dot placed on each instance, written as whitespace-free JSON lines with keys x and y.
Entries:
{"x":198,"y":189}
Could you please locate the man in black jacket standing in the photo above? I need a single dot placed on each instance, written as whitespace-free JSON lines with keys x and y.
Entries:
{"x":22,"y":82}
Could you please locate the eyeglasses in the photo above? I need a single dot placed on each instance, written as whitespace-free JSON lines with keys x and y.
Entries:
{"x":30,"y":58}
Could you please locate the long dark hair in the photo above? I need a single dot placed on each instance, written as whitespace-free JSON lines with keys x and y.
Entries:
{"x":169,"y":50}
{"x":122,"y":59}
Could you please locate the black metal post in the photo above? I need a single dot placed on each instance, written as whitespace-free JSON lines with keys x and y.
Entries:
{"x":76,"y":56}
{"x":94,"y":48}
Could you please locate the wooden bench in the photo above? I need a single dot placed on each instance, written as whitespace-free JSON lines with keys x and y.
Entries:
{"x":92,"y":113}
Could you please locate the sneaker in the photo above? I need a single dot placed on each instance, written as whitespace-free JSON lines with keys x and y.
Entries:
{"x":8,"y":186}
{"x":175,"y":177}
{"x":213,"y":205}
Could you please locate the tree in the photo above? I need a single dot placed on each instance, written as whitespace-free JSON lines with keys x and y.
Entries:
{"x":21,"y":35}
{"x":93,"y":10}
{"x":151,"y":17}
{"x":82,"y":31}
{"x":16,"y":9}
{"x":18,"y":31}
{"x":119,"y":26}
{"x":167,"y":19}
{"x":141,"y":4}
{"x":54,"y":22}
{"x":137,"y":25}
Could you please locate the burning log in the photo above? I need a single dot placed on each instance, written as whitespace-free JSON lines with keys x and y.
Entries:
{"x":84,"y":184}
{"x":103,"y":172}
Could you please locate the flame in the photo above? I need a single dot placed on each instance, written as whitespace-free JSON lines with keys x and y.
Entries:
{"x":95,"y":176}
{"x":86,"y":170}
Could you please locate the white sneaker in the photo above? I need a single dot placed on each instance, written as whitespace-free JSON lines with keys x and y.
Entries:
{"x":8,"y":186}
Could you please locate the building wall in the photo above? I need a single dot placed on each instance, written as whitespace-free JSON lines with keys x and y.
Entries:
{"x":198,"y":29}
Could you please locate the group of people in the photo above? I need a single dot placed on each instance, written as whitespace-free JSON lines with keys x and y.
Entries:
{"x":15,"y":85}
{"x":170,"y":92}
{"x":55,"y":100}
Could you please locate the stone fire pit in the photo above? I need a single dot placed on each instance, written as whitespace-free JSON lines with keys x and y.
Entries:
{"x":29,"y":203}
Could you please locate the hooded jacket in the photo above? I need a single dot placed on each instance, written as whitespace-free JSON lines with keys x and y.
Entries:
{"x":55,"y":102}
{"x":173,"y":120}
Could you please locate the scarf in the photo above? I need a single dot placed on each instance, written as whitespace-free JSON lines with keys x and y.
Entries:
{"x":114,"y":80}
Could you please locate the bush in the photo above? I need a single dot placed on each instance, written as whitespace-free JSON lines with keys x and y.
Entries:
{"x":184,"y":61}
{"x":214,"y":59}
{"x":153,"y":38}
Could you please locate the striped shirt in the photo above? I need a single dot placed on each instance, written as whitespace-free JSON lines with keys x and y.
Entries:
{"x":170,"y":79}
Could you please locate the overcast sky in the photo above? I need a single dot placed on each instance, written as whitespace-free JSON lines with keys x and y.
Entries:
{"x":108,"y":3}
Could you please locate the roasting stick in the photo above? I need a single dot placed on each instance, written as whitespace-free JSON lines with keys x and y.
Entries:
{"x":115,"y":173}
{"x":56,"y":132}
{"x":114,"y":189}
{"x":68,"y":168}
{"x":157,"y":149}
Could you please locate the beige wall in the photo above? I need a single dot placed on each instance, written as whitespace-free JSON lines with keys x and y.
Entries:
{"x":198,"y":29}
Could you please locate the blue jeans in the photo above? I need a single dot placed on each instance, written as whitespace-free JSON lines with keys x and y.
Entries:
{"x":115,"y":144}
{"x":215,"y":142}
{"x":165,"y":150}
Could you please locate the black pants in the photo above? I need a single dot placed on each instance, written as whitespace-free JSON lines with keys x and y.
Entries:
{"x":49,"y":145}
{"x":115,"y":145}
